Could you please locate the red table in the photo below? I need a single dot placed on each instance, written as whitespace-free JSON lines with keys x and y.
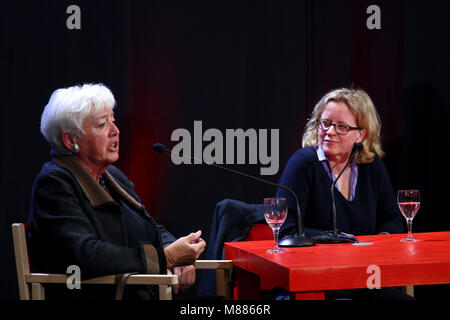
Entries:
{"x":307,"y":272}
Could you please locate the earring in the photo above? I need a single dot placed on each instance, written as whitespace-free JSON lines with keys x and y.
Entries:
{"x":75,"y":148}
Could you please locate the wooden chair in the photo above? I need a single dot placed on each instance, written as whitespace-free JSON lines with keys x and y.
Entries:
{"x":32,"y":285}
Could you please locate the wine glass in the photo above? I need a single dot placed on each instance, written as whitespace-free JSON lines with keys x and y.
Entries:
{"x":275,"y":211}
{"x":409,"y":203}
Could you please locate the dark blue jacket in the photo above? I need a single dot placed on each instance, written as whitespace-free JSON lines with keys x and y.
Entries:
{"x":373,"y":210}
{"x":232,"y":220}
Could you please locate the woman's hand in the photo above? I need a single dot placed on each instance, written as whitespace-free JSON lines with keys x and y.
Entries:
{"x":185,"y":250}
{"x":186,"y":277}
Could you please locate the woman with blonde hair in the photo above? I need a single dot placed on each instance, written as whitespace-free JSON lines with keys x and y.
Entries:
{"x":365,"y":201}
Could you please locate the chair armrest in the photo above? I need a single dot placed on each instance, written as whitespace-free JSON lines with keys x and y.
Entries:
{"x":223,"y":268}
{"x":137,"y":279}
{"x":213,"y":264}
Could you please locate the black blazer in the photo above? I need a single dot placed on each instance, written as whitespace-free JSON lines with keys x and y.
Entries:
{"x":74,"y":221}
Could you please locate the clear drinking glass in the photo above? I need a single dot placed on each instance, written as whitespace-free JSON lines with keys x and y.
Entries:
{"x":275,"y":211}
{"x":409,"y":203}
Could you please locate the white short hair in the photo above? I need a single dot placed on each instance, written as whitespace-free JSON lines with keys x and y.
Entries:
{"x":68,"y":108}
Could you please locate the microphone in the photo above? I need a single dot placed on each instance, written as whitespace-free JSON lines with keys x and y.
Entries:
{"x":297,"y":240}
{"x":335,"y":236}
{"x":158,"y":147}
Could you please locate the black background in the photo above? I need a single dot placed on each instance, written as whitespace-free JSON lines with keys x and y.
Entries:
{"x":231,"y":64}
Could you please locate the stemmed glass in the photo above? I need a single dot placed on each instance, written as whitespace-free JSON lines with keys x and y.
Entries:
{"x":275,"y":211}
{"x":409,"y":203}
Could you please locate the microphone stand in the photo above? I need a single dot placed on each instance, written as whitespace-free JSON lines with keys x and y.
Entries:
{"x":296,"y":240}
{"x":336,"y":236}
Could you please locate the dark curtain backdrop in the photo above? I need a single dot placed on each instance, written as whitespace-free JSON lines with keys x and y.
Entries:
{"x":230,"y":64}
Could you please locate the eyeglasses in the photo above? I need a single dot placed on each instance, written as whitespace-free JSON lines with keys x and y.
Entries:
{"x":340,"y":128}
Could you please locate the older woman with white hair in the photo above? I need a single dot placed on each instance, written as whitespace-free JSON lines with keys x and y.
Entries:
{"x":84,"y":211}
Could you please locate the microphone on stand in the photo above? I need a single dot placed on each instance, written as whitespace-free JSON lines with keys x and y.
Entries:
{"x":297,"y":240}
{"x":336,"y":236}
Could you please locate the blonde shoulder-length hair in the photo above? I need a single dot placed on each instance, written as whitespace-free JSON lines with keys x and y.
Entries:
{"x":362,"y":107}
